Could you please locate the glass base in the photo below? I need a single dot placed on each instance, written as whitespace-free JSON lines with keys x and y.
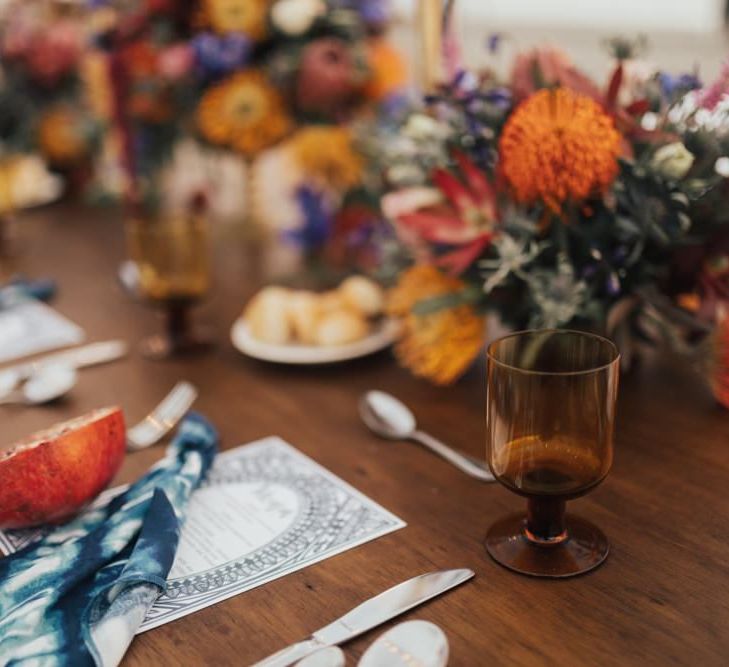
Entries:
{"x":160,"y":347}
{"x":584,"y":548}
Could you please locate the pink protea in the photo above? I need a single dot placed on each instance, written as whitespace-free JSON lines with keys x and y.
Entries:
{"x":461,"y":212}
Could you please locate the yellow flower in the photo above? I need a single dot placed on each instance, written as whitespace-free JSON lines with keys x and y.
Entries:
{"x":62,"y":136}
{"x":243,"y":112}
{"x":559,"y":146}
{"x":327,"y":154}
{"x":244,"y":16}
{"x":438,"y":346}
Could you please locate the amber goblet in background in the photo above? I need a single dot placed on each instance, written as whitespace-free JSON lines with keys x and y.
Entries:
{"x":550,"y":410}
{"x":169,"y":267}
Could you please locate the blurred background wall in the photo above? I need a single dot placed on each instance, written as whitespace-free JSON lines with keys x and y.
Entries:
{"x":680,"y":32}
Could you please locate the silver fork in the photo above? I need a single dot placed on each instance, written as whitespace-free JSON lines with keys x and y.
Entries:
{"x":163,"y":418}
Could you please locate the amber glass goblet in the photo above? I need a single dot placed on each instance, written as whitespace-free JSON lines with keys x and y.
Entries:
{"x":550,"y":410}
{"x":170,"y":269}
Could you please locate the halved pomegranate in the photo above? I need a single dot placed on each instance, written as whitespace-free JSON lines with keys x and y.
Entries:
{"x":51,"y":475}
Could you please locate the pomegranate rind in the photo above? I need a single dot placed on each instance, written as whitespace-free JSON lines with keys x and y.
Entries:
{"x":51,"y":475}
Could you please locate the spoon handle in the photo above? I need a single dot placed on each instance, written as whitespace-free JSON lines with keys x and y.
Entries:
{"x":468,"y":464}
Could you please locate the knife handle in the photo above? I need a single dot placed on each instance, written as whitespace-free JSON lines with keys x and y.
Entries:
{"x":78,"y":357}
{"x":291,"y":654}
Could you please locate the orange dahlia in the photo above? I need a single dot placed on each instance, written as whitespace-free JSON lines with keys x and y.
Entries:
{"x":244,"y":112}
{"x":441,"y":345}
{"x":558,"y":146}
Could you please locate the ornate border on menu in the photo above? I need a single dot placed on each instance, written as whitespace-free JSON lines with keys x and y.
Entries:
{"x":332,"y":517}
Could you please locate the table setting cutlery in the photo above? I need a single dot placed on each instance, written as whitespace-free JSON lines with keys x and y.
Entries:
{"x":73,"y":359}
{"x":389,"y":418}
{"x":370,"y":614}
{"x":163,"y":418}
{"x":410,"y":644}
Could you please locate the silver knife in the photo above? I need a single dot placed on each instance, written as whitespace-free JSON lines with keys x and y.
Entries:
{"x":370,"y":614}
{"x":79,"y":357}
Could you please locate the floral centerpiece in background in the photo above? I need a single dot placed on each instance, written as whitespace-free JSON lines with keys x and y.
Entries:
{"x":44,"y":118}
{"x":245,"y":106}
{"x":556,"y":202}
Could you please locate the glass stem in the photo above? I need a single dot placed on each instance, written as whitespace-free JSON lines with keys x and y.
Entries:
{"x":546,"y":521}
{"x":177,"y":324}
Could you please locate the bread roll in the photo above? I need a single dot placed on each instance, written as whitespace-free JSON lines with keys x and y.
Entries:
{"x":363,"y":295}
{"x":340,"y":327}
{"x":267,"y":315}
{"x":330,"y":302}
{"x":304,"y":313}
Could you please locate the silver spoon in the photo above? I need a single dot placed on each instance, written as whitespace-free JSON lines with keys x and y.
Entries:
{"x":390,"y":418}
{"x":48,"y":384}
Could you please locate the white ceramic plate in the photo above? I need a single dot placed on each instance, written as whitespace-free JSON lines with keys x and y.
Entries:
{"x":382,"y":336}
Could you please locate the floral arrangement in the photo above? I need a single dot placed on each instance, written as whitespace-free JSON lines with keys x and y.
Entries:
{"x":556,"y":202}
{"x":42,"y":106}
{"x":268,"y":91}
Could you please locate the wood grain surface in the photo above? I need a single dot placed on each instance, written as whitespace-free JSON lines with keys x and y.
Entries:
{"x":662,"y":598}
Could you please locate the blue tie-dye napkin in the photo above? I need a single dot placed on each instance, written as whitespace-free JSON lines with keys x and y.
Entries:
{"x":78,"y":595}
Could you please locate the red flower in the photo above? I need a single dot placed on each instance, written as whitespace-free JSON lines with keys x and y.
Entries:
{"x":461,"y":213}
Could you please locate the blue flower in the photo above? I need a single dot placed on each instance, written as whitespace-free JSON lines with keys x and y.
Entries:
{"x":317,"y":225}
{"x":671,"y":85}
{"x":218,"y":55}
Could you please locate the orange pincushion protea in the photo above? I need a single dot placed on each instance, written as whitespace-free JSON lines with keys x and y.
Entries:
{"x":559,"y":146}
{"x":438,"y":346}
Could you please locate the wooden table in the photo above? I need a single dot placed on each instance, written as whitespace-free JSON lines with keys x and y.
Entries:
{"x":662,"y":597}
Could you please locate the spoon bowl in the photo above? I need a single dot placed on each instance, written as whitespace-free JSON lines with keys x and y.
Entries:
{"x":390,"y":418}
{"x":387,"y":416}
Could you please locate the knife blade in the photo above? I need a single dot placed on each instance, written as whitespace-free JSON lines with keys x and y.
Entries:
{"x":371,"y":613}
{"x":78,"y":357}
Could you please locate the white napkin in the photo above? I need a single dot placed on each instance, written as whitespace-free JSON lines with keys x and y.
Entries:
{"x":31,"y":326}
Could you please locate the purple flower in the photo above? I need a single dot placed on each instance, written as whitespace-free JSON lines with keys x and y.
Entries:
{"x":317,"y":220}
{"x":216,"y":56}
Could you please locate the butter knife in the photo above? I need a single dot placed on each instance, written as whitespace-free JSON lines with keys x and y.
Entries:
{"x":78,"y":357}
{"x":370,"y":614}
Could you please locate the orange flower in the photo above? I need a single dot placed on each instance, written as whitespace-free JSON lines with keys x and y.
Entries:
{"x":243,"y":112}
{"x":558,"y":146}
{"x":389,"y":73}
{"x":438,"y":346}
{"x":62,"y":136}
